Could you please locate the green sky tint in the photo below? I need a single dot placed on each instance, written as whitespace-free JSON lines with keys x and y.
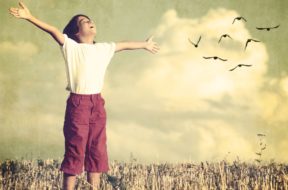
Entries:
{"x":33,"y":81}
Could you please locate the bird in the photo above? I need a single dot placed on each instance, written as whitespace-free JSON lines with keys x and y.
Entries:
{"x":258,"y":153}
{"x":224,"y":35}
{"x":257,"y":160}
{"x":240,"y":65}
{"x":264,"y":147}
{"x":268,"y":28}
{"x":249,"y":40}
{"x":215,"y":57}
{"x":196,"y":45}
{"x":239,"y":18}
{"x":260,"y":135}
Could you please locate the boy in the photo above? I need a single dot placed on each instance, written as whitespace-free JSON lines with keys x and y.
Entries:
{"x":85,"y":116}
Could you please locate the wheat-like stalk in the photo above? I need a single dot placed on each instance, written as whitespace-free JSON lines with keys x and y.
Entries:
{"x":45,"y":174}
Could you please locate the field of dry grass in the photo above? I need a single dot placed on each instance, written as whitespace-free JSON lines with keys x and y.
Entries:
{"x":44,"y":174}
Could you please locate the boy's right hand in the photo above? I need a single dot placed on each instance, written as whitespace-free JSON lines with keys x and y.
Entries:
{"x":21,"y":12}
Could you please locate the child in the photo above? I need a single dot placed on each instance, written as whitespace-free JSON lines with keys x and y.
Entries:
{"x":85,"y":116}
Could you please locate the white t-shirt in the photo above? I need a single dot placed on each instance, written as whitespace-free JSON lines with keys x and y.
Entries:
{"x":86,"y":65}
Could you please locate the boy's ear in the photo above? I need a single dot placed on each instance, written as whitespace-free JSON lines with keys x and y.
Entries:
{"x":77,"y":34}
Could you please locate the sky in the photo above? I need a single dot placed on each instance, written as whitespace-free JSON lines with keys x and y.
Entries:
{"x":173,"y":106}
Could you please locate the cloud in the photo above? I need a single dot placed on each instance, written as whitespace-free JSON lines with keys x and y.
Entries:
{"x":185,"y":106}
{"x":24,"y":49}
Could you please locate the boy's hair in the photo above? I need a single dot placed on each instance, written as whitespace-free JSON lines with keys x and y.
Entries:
{"x":72,"y":27}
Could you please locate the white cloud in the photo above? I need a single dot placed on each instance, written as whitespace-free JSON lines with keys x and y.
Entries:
{"x":180,"y":73}
{"x":204,"y":110}
{"x":21,"y":48}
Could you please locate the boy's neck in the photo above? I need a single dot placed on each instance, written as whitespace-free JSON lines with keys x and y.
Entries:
{"x":86,"y":40}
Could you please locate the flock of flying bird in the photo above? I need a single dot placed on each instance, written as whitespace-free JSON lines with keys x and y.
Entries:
{"x":227,"y":35}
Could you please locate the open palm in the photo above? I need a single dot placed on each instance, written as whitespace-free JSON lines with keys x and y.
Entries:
{"x":151,"y":45}
{"x":21,"y":12}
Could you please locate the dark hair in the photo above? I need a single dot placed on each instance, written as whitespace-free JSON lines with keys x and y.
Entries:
{"x":72,"y":27}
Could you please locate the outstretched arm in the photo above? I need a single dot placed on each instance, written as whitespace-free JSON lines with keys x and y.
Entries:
{"x":148,"y":45}
{"x":23,"y":13}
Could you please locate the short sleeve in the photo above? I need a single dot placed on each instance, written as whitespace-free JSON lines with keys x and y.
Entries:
{"x":110,"y":49}
{"x":68,"y":45}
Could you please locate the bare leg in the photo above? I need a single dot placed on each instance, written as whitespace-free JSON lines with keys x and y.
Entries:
{"x":94,"y":179}
{"x":68,"y":181}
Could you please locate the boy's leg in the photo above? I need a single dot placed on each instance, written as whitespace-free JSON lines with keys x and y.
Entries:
{"x":76,"y":128}
{"x":94,"y":179}
{"x":68,"y":181}
{"x":96,"y":158}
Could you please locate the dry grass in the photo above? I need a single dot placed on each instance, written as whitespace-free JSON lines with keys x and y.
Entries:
{"x":44,"y":174}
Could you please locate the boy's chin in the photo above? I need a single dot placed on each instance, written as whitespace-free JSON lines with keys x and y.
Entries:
{"x":93,"y":33}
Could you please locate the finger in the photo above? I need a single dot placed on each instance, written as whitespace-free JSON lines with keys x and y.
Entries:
{"x":13,"y":9}
{"x":22,"y":5}
{"x":13,"y":12}
{"x":156,"y":47}
{"x":153,"y":51}
{"x":10,"y":11}
{"x":15,"y":15}
{"x":150,"y":38}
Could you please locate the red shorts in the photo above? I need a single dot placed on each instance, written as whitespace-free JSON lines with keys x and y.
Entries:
{"x":85,"y":135}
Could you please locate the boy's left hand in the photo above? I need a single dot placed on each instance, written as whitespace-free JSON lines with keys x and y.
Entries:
{"x":151,"y":45}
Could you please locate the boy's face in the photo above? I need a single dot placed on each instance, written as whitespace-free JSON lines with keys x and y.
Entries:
{"x":86,"y":26}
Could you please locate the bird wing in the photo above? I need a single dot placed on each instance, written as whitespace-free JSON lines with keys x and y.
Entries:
{"x":229,"y":36}
{"x":234,"y":20}
{"x":246,"y":65}
{"x":199,"y":39}
{"x":191,"y":42}
{"x":222,"y":59}
{"x":206,"y":57}
{"x":276,"y":26}
{"x":255,"y":40}
{"x":243,"y":18}
{"x":220,"y":39}
{"x":246,"y":44}
{"x":260,"y":28}
{"x":233,"y":68}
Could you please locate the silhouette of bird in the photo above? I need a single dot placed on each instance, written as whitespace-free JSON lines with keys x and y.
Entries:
{"x":260,"y":135}
{"x":267,"y":28}
{"x":250,"y":40}
{"x":215,"y":57}
{"x":196,"y":45}
{"x":240,"y":65}
{"x":224,"y":35}
{"x":264,"y":147}
{"x":239,"y":18}
{"x":257,"y":160}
